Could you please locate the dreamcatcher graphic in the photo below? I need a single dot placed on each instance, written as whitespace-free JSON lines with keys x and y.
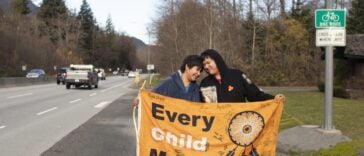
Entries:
{"x":243,"y":130}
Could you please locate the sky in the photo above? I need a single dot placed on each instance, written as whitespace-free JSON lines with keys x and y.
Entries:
{"x":131,"y":17}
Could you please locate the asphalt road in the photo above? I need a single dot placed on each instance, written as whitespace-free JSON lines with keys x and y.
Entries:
{"x":109,"y":133}
{"x":34,"y":118}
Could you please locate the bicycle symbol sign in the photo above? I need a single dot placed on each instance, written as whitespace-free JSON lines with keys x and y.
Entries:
{"x":330,"y":18}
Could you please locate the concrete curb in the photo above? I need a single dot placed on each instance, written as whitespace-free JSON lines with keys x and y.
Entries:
{"x":22,"y":81}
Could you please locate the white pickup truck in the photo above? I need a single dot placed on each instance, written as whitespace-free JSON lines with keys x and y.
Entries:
{"x":79,"y":75}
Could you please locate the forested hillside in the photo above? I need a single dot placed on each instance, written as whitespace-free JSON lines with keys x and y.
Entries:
{"x":56,"y":36}
{"x":273,"y":41}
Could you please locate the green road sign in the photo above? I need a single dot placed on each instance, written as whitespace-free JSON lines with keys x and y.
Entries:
{"x":330,"y":18}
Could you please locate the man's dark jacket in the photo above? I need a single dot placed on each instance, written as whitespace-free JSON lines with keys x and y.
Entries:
{"x":173,"y":87}
{"x":235,"y":86}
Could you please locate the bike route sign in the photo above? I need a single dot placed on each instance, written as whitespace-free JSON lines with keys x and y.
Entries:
{"x":330,"y":18}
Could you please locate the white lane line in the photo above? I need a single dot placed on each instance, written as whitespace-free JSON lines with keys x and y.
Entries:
{"x":16,"y":96}
{"x":46,"y":111}
{"x":2,"y":127}
{"x":75,"y":100}
{"x":102,"y":104}
{"x":93,"y":94}
{"x":111,"y":87}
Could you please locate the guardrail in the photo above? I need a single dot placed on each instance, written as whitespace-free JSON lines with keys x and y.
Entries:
{"x":6,"y":82}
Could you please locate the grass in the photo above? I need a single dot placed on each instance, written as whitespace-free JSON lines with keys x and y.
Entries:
{"x":155,"y":79}
{"x":307,"y":107}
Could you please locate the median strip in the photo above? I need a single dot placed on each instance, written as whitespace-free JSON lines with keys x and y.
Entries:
{"x":46,"y":111}
{"x":75,"y":100}
{"x":16,"y":96}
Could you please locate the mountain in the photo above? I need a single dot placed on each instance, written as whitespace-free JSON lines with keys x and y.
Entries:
{"x":5,"y":6}
{"x":138,"y":43}
{"x":34,"y":8}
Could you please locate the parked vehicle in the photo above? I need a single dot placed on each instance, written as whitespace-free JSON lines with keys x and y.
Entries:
{"x":115,"y":72}
{"x":125,"y":72}
{"x":131,"y":74}
{"x":101,"y":73}
{"x":36,"y":73}
{"x":61,"y":75}
{"x":79,"y":75}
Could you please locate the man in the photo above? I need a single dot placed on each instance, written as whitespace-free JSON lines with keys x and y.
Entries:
{"x":182,"y":83}
{"x":228,"y":85}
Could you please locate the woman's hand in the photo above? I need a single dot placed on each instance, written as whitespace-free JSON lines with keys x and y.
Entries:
{"x":280,"y":97}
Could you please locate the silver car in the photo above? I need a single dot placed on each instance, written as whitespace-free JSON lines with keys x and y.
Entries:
{"x":36,"y":73}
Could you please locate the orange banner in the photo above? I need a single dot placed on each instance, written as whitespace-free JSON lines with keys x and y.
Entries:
{"x":169,"y":127}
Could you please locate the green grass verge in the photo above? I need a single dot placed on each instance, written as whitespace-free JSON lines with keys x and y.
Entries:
{"x":308,"y":108}
{"x":151,"y":81}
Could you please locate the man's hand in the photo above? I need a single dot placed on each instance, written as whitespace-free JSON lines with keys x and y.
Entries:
{"x":280,"y":97}
{"x":136,"y":102}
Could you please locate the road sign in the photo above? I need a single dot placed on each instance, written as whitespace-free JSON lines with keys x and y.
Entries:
{"x":330,"y":37}
{"x":150,"y":67}
{"x":330,"y":18}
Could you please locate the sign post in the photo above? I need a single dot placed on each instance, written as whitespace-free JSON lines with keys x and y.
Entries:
{"x":150,"y":67}
{"x":330,"y":32}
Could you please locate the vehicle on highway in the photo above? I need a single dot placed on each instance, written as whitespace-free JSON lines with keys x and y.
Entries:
{"x":101,"y":73}
{"x":35,"y":73}
{"x":124,"y":72}
{"x":131,"y":74}
{"x":61,"y":75}
{"x":80,"y":75}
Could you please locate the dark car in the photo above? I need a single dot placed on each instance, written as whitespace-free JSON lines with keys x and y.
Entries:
{"x":61,"y":75}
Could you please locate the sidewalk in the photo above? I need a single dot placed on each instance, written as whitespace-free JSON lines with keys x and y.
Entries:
{"x":307,"y":138}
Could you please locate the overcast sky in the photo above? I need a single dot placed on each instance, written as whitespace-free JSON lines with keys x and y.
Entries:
{"x":129,"y":16}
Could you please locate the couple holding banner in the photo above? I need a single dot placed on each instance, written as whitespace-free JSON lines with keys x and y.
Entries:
{"x":222,"y":125}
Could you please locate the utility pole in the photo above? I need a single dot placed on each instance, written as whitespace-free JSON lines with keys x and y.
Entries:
{"x":148,"y":57}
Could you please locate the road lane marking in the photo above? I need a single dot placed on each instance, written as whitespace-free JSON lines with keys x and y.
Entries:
{"x":2,"y":127}
{"x":93,"y":94}
{"x":102,"y":104}
{"x":75,"y":100}
{"x":112,"y":87}
{"x":46,"y":111}
{"x":16,"y":96}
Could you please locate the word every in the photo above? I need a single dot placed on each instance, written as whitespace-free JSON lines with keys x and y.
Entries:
{"x":184,"y":119}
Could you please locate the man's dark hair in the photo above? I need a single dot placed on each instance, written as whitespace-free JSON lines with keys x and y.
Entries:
{"x":191,"y":61}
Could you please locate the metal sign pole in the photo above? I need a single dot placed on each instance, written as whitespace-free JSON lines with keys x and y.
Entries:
{"x":328,"y":87}
{"x":329,"y":73}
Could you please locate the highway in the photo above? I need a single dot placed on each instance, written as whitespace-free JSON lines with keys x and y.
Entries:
{"x":34,"y":118}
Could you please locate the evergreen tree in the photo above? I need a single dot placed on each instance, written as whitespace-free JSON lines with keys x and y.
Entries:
{"x":356,"y":18}
{"x":53,"y":13}
{"x":110,"y":32}
{"x":109,"y":26}
{"x":52,"y":9}
{"x":86,"y":40}
{"x":19,"y":7}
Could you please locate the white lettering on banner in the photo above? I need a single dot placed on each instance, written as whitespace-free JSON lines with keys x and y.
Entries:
{"x":170,"y":138}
